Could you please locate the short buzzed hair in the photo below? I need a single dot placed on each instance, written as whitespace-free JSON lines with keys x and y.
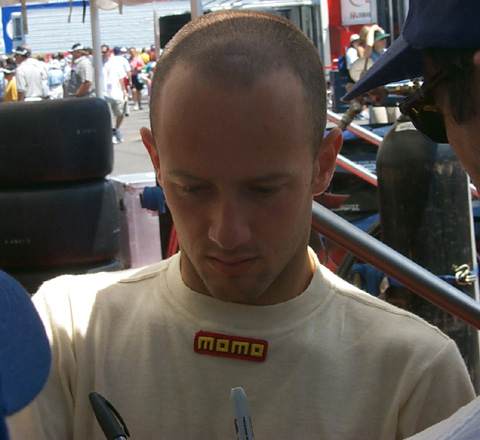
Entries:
{"x":237,"y":47}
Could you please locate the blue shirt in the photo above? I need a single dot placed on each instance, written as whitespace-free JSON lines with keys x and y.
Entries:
{"x":55,"y":77}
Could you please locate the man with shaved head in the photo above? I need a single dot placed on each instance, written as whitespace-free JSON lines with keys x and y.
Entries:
{"x":238,"y":116}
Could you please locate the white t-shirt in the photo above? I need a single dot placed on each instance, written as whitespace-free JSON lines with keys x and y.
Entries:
{"x":351,"y":56}
{"x":113,"y":73}
{"x":333,"y":363}
{"x":31,"y":78}
{"x":122,"y":61}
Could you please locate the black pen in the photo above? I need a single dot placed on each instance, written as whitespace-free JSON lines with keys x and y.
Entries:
{"x":108,"y":418}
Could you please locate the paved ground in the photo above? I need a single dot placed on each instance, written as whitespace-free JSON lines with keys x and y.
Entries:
{"x":130,"y":156}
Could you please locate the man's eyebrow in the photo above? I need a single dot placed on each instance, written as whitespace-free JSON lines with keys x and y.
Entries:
{"x":178,"y":173}
{"x":255,"y":179}
{"x":271,"y":177}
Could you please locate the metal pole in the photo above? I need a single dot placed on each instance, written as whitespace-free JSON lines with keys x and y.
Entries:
{"x":97,"y":55}
{"x":196,"y":8}
{"x":324,"y":31}
{"x":390,"y":21}
{"x":356,"y":129}
{"x":395,"y":265}
{"x":356,"y":169}
{"x":156,"y":29}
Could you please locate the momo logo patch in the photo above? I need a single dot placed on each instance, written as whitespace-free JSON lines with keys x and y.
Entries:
{"x":216,"y":344}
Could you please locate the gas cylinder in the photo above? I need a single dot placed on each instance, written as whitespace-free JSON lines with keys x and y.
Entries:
{"x":425,"y":214}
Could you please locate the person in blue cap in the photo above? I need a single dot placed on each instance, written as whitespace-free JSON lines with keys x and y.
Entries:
{"x":24,"y":351}
{"x":441,"y":42}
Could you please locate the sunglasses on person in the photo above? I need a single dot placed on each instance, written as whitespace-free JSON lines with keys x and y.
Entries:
{"x":425,"y":115}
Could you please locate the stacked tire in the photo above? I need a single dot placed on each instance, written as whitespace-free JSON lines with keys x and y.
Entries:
{"x":58,"y":212}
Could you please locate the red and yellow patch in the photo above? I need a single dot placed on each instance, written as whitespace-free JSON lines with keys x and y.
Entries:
{"x":216,"y":344}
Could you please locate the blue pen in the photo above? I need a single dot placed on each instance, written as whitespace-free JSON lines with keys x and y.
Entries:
{"x":243,"y":423}
{"x":108,"y":418}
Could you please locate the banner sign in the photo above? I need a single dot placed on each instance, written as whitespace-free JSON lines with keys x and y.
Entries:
{"x":356,"y":12}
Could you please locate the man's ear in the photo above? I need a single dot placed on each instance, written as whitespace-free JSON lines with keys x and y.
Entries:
{"x":476,"y":59}
{"x":325,"y":161}
{"x":147,"y":139}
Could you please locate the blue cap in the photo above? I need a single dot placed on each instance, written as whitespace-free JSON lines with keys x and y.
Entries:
{"x":429,"y":23}
{"x":24,"y":350}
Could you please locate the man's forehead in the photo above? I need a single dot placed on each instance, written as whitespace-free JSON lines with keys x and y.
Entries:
{"x":194,"y":73}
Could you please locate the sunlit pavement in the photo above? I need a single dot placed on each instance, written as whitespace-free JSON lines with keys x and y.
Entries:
{"x":130,"y":156}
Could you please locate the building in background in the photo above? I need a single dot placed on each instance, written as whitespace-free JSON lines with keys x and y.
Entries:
{"x":53,"y":26}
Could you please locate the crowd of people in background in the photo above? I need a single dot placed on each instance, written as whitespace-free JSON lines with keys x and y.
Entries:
{"x":127,"y":75}
{"x":369,"y":45}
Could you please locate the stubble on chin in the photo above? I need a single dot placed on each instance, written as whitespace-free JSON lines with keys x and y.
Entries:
{"x":234,"y":289}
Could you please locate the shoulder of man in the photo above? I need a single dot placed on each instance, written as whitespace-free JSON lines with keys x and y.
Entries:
{"x":86,"y":286}
{"x":377,"y":313}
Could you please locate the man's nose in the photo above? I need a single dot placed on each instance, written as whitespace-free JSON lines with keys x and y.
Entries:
{"x":229,"y":227}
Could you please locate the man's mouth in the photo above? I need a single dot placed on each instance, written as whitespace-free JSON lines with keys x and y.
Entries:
{"x":233,"y":267}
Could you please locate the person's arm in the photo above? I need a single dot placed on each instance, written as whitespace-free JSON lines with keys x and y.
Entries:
{"x":370,"y":40}
{"x":83,"y":89}
{"x":464,"y":424}
{"x":122,"y":85}
{"x":21,"y":84}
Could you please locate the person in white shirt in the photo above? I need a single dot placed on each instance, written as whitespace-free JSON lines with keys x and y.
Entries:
{"x":31,"y":76}
{"x":354,"y":51}
{"x":115,"y":91}
{"x":125,"y":65}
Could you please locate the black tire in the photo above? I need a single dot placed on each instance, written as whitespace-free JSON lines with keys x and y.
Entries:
{"x":57,"y":225}
{"x":32,"y":279}
{"x":55,"y":141}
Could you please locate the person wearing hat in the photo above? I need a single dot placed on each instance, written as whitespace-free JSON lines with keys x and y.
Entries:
{"x":440,"y":41}
{"x":80,"y":82}
{"x":25,"y":355}
{"x":379,"y":44}
{"x":373,"y":38}
{"x":11,"y":93}
{"x":447,"y":106}
{"x":31,"y":76}
{"x":354,"y":51}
